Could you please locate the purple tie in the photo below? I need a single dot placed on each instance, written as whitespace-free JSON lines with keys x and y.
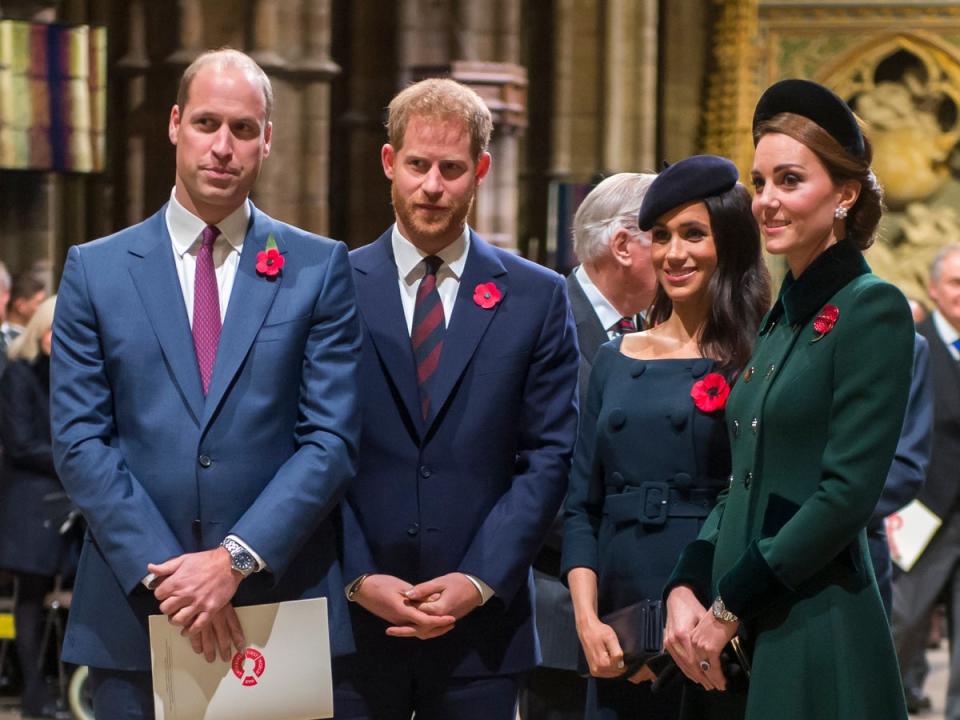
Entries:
{"x":206,"y":307}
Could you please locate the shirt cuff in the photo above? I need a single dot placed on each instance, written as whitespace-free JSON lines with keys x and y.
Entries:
{"x":261,"y":565}
{"x":486,"y":592}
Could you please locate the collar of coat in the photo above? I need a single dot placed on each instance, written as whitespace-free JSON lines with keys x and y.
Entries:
{"x":801,"y":297}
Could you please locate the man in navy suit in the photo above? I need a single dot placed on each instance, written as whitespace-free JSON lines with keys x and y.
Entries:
{"x":204,"y":405}
{"x":468,"y":388}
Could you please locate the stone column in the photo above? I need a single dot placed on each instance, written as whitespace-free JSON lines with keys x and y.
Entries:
{"x":191,"y":33}
{"x":134,"y":66}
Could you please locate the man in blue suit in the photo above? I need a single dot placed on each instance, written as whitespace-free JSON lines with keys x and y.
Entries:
{"x":204,"y":406}
{"x":468,"y":387}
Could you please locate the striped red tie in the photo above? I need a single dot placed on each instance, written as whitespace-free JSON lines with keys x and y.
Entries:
{"x":625,"y":326}
{"x":427,"y":332}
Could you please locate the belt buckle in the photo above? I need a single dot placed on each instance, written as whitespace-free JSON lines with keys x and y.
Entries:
{"x":655,"y":503}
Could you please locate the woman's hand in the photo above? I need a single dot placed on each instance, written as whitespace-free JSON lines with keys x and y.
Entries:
{"x":684,"y":613}
{"x":708,"y":640}
{"x":601,"y":648}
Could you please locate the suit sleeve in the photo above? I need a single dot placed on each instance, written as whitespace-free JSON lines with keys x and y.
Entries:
{"x":583,"y":508}
{"x":913,"y":449}
{"x":509,"y":537}
{"x":121,"y":515}
{"x":310,"y":484}
{"x":871,"y":383}
{"x":22,"y":445}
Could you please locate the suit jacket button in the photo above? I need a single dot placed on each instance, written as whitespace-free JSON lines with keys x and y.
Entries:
{"x":425,"y":472}
{"x":205,"y":461}
{"x":748,"y":478}
{"x":413,"y":529}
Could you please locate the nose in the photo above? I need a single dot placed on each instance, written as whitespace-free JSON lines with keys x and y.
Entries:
{"x":676,"y":250}
{"x":222,"y":146}
{"x":765,"y":197}
{"x":433,"y":181}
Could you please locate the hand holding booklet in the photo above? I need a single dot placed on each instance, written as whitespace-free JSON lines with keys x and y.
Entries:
{"x":283,"y":674}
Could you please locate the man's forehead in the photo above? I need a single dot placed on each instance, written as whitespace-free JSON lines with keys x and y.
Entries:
{"x":219,"y":81}
{"x":436,"y":130}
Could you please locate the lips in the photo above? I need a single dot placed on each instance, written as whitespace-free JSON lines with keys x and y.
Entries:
{"x":679,"y":276}
{"x":775,"y":225}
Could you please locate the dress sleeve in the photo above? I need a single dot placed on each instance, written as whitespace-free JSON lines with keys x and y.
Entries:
{"x":583,"y":509}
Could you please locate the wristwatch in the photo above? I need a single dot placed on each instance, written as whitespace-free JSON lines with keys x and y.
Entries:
{"x":721,"y":613}
{"x":240,"y":559}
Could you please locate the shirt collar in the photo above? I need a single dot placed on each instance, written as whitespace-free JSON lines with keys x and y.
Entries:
{"x":409,"y":257}
{"x":945,"y":330}
{"x":800,"y":298}
{"x":185,"y":227}
{"x":604,"y":309}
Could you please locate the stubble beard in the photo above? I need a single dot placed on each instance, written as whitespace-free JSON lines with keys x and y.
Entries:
{"x":437,"y":233}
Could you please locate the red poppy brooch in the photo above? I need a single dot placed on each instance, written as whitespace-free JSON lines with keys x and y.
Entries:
{"x":824,"y":322}
{"x":486,"y":295}
{"x":269,"y":260}
{"x":710,"y":393}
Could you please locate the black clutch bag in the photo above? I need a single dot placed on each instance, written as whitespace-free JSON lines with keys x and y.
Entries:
{"x":735,"y":661}
{"x":639,"y":628}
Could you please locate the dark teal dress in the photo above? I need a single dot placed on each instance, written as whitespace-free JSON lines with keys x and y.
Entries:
{"x":647,"y":470}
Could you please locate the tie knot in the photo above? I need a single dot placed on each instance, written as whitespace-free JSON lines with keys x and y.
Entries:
{"x":432,"y":263}
{"x":626,"y":325}
{"x":209,"y":235}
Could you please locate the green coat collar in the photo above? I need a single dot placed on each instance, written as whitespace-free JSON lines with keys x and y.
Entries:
{"x":800,"y":298}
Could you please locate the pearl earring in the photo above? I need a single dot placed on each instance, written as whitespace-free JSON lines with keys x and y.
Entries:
{"x":840,"y":213}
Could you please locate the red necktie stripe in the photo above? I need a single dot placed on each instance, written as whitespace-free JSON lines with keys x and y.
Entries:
{"x":426,"y":335}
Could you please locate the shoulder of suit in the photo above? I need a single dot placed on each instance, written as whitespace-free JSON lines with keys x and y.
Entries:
{"x":518,"y":264}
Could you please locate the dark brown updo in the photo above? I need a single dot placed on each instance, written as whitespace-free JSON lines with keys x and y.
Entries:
{"x":841,"y":165}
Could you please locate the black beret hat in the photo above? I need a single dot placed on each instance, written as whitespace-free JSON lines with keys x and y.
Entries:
{"x":693,"y":178}
{"x":814,"y":102}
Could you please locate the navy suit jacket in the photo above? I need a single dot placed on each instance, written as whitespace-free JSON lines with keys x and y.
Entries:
{"x":473,"y":488}
{"x":158,"y":469}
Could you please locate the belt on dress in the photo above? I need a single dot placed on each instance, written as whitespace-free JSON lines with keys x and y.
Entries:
{"x":653,"y":502}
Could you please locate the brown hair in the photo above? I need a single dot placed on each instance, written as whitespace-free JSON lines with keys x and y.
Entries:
{"x":841,"y":165}
{"x":224,"y":58}
{"x":442,"y":99}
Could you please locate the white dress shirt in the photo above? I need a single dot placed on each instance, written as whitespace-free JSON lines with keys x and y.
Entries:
{"x":947,"y":333}
{"x":606,"y":312}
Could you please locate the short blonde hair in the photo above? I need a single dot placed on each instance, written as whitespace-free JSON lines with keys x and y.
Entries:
{"x":27,"y":345}
{"x":440,"y":99}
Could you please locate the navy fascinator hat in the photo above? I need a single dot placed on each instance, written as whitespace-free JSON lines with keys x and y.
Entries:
{"x":690,"y":179}
{"x":814,"y":102}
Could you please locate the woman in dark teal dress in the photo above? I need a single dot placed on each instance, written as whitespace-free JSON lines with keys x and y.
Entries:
{"x":652,"y":453}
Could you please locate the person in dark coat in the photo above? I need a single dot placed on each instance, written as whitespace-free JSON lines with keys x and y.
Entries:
{"x":813,"y":427}
{"x":32,"y":502}
{"x":609,"y":290}
{"x":652,"y":452}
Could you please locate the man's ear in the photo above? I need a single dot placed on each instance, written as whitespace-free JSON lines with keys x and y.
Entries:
{"x":620,"y":246}
{"x":173,"y":126}
{"x":267,"y":139}
{"x":387,"y":156}
{"x":483,"y":166}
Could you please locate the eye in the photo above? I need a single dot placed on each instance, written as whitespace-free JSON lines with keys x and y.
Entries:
{"x":695,"y":233}
{"x":757,"y":182}
{"x":418,"y":164}
{"x":245,"y":130}
{"x":205,"y":123}
{"x":660,"y":235}
{"x":790,"y":179}
{"x":452,"y":170}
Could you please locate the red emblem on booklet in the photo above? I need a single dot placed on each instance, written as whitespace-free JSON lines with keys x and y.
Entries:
{"x":824,"y":322}
{"x":248,"y":672}
{"x":711,"y":393}
{"x":486,"y":295}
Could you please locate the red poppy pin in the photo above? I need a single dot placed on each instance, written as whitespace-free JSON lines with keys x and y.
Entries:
{"x":486,"y":295}
{"x":824,"y":322}
{"x":269,"y":260}
{"x":710,"y":393}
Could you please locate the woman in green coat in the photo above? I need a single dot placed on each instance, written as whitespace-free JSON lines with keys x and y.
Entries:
{"x":813,"y":424}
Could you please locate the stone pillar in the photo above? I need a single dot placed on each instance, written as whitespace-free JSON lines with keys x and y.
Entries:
{"x":134,"y":66}
{"x":191,"y":34}
{"x":266,"y":38}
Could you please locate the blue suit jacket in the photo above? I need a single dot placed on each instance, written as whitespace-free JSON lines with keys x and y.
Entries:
{"x":473,"y":488}
{"x":158,"y":469}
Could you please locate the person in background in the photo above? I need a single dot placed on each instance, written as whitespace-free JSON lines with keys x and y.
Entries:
{"x":32,"y":502}
{"x":609,"y":292}
{"x":937,"y":571}
{"x":652,"y":453}
{"x":813,"y":427}
{"x":27,"y":291}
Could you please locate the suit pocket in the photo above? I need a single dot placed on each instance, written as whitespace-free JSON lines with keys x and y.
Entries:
{"x":281,"y":330}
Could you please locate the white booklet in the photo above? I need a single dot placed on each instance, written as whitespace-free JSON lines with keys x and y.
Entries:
{"x":284,"y":673}
{"x":909,"y":530}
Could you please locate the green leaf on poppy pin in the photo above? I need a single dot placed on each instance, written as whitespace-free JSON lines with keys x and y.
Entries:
{"x":271,"y":243}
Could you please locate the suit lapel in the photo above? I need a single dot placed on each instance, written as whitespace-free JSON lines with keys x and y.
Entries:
{"x":155,"y":277}
{"x":250,"y":299}
{"x":378,"y":295}
{"x":469,"y":321}
{"x":590,"y":333}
